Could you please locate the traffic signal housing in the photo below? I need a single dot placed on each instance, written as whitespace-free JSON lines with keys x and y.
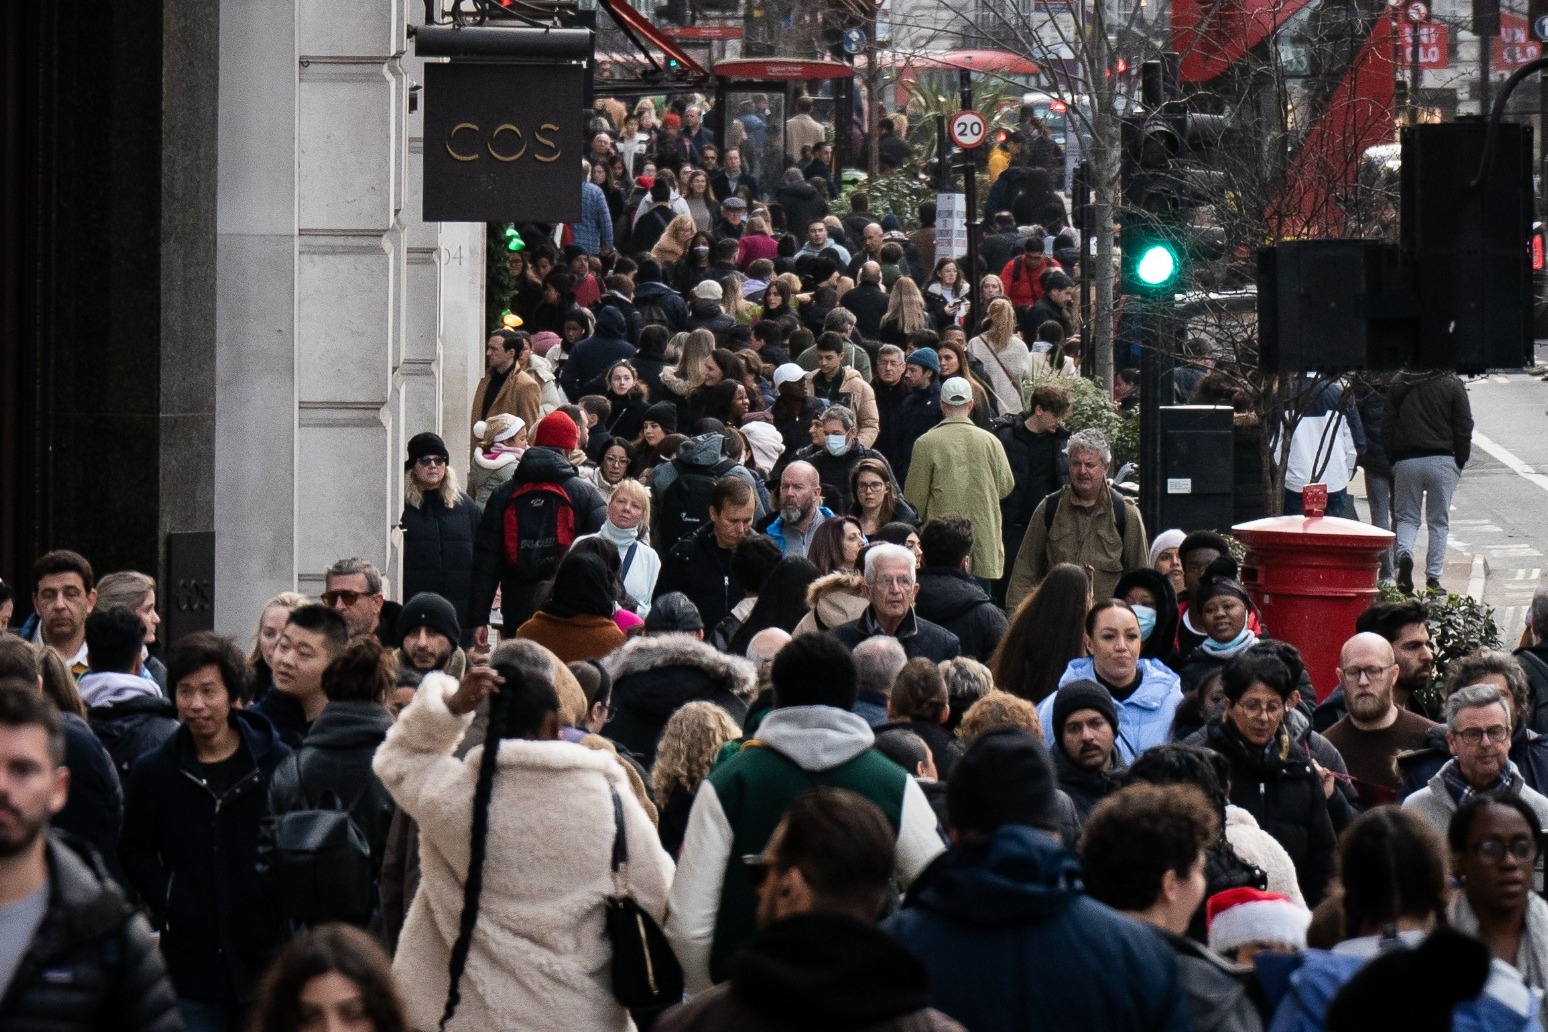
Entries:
{"x":1153,"y":259}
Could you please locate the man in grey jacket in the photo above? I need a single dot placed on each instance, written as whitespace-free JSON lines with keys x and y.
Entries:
{"x":1427,"y":430}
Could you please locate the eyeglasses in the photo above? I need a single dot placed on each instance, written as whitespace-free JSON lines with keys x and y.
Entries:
{"x":430,"y":460}
{"x":1494,"y":850}
{"x":874,"y":485}
{"x":1368,"y":673}
{"x":895,"y":582}
{"x":1475,"y":735}
{"x":758,"y":867}
{"x":1261,"y":709}
{"x":616,"y":460}
{"x":349,"y":598}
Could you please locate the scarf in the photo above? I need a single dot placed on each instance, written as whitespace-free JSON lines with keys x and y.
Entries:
{"x":1532,"y":959}
{"x":622,"y":539}
{"x":1460,"y":791}
{"x":1225,"y":650}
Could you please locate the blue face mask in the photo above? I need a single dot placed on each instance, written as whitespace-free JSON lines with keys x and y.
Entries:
{"x":1147,"y":621}
{"x":837,"y":444}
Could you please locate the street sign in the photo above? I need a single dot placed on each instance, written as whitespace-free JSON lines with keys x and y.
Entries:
{"x":854,"y":40}
{"x":967,"y":129}
{"x":1540,"y":28}
{"x":951,"y":229}
{"x":703,"y":32}
{"x":1434,"y":41}
{"x":1418,"y":12}
{"x":1514,"y":46}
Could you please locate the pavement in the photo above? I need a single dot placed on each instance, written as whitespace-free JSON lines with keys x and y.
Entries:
{"x":1499,"y":522}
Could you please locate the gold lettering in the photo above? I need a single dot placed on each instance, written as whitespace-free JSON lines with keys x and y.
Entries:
{"x":547,"y":142}
{"x":507,"y":127}
{"x":460,"y":127}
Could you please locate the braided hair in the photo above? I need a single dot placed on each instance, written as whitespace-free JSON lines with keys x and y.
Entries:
{"x":517,"y":710}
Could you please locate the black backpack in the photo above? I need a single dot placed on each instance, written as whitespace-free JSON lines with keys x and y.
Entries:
{"x":319,"y":867}
{"x":653,"y":312}
{"x":685,"y":503}
{"x":1120,"y":511}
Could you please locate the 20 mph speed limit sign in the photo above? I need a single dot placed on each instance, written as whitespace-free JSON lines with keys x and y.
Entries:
{"x":967,"y":129}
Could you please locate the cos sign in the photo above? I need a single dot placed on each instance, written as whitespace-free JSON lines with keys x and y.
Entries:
{"x":502,"y":142}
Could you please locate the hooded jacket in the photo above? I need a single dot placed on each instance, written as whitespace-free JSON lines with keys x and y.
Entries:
{"x":589,"y":359}
{"x":1011,"y":943}
{"x":1428,"y":416}
{"x":1328,"y":437}
{"x":707,"y":314}
{"x":654,"y":677}
{"x":1161,"y":644}
{"x":816,"y":971}
{"x":1144,"y":718}
{"x":128,"y":715}
{"x":954,"y":600}
{"x":802,"y":206}
{"x":652,"y":295}
{"x":705,"y":456}
{"x":835,"y":599}
{"x":490,"y":569}
{"x":336,"y":757}
{"x":711,"y":915}
{"x":540,"y":951}
{"x":438,"y":550}
{"x":92,"y":956}
{"x":192,"y":857}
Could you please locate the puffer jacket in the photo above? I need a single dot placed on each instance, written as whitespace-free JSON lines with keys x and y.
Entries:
{"x":336,"y":757}
{"x":855,"y":394}
{"x":1144,"y":718}
{"x":954,"y":600}
{"x":1280,"y":789}
{"x":438,"y":550}
{"x":92,"y":965}
{"x":654,"y":677}
{"x":832,"y":600}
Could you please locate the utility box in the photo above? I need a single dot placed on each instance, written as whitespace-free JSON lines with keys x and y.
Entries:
{"x":1311,"y":577}
{"x":1196,"y":488}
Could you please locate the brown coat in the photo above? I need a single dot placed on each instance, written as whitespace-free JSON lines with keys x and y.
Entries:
{"x":573,"y":638}
{"x":519,"y":396}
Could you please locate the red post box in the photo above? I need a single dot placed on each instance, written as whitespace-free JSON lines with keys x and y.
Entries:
{"x":1311,"y":577}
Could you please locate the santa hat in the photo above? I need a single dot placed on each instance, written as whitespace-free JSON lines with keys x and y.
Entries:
{"x":1241,"y":916}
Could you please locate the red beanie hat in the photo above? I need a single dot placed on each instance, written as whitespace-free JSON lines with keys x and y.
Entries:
{"x":557,"y":430}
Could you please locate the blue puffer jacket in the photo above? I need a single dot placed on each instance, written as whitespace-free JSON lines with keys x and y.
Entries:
{"x":1011,"y":943}
{"x":1144,"y":718}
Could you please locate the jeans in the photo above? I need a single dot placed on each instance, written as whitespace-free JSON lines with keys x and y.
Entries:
{"x":1428,"y":482}
{"x":199,"y":1016}
{"x":1339,"y":504}
{"x":1378,"y":491}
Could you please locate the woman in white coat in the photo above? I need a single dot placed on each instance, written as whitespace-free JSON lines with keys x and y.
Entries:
{"x":507,"y":928}
{"x":628,"y":521}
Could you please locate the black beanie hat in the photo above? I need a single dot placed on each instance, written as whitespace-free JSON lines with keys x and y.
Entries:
{"x":1412,"y":989}
{"x":663,"y":414}
{"x":427,"y":609}
{"x":1079,"y":695}
{"x":1005,"y":777}
{"x":424,"y":444}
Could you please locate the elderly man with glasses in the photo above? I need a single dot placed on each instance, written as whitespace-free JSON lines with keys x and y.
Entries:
{"x":891,"y":588}
{"x":1478,"y":729}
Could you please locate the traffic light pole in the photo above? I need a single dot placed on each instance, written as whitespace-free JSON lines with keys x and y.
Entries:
{"x":970,"y":199}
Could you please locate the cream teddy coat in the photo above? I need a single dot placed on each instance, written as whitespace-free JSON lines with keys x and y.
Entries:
{"x":540,"y":958}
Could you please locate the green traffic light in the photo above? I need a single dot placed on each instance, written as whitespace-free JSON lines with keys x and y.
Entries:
{"x":1156,"y":266}
{"x":513,"y":240}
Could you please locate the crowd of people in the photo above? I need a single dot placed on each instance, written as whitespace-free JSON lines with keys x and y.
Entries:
{"x":777,"y":660}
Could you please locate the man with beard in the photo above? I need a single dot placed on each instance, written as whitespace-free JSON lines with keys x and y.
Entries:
{"x":72,"y":949}
{"x":801,"y":510}
{"x":1405,"y":625}
{"x":1085,"y":731}
{"x":429,"y":631}
{"x":1375,"y":729}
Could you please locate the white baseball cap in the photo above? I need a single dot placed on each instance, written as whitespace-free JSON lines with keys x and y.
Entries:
{"x":956,"y":391}
{"x":787,"y":373}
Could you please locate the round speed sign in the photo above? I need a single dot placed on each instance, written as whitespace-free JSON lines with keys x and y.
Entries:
{"x":967,"y":129}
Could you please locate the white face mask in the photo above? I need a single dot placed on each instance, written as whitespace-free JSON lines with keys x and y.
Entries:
{"x":837,"y":444}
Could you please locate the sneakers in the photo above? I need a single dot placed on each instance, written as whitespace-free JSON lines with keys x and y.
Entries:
{"x":1433,"y":582}
{"x":1405,"y":574}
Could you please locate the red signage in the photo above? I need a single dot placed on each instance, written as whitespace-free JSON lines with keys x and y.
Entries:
{"x":1433,"y":40}
{"x":1514,"y":46}
{"x":707,"y":32}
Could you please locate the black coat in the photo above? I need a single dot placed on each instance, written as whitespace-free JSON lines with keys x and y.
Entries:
{"x":954,"y":600}
{"x":1285,"y":796}
{"x":131,"y":728}
{"x":699,"y":568}
{"x":802,"y":207}
{"x":1085,"y":787}
{"x":438,"y":550}
{"x":655,"y":677}
{"x":628,"y":416}
{"x":518,"y":596}
{"x":193,"y":860}
{"x":92,"y":965}
{"x":920,"y":639}
{"x":336,"y":757}
{"x":1040,"y":466}
{"x":945,"y":749}
{"x":868,"y":302}
{"x":651,"y":295}
{"x":704,"y":314}
{"x":589,"y":359}
{"x":889,"y":398}
{"x":918,"y":414}
{"x":94,"y":813}
{"x":833,"y":472}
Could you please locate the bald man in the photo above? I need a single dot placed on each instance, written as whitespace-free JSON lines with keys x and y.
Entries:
{"x":1376,"y":728}
{"x":801,"y":510}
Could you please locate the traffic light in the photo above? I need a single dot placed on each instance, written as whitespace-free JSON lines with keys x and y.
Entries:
{"x":513,"y":240}
{"x":1153,"y":259}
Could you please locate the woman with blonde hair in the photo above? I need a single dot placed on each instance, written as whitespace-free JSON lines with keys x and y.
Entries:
{"x":627,"y":526}
{"x":689,"y":745}
{"x":1003,"y":354}
{"x":439,"y":523}
{"x":906,"y":313}
{"x":673,"y":245}
{"x":271,"y":622}
{"x":136,"y":592}
{"x":738,"y":307}
{"x":681,"y":380}
{"x":502,"y":440}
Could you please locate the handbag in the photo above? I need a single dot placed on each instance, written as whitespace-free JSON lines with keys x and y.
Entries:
{"x":645,"y":970}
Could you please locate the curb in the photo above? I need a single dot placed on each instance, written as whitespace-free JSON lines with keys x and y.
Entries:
{"x":1478,"y":577}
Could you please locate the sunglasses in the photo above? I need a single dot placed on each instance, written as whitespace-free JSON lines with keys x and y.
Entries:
{"x":758,"y":868}
{"x":349,"y":598}
{"x":431,"y":460}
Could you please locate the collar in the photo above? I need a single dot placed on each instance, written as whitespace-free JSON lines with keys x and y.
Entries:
{"x":76,"y":663}
{"x":907,"y":629}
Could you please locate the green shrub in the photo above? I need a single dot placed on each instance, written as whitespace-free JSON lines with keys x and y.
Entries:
{"x":1459,"y":624}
